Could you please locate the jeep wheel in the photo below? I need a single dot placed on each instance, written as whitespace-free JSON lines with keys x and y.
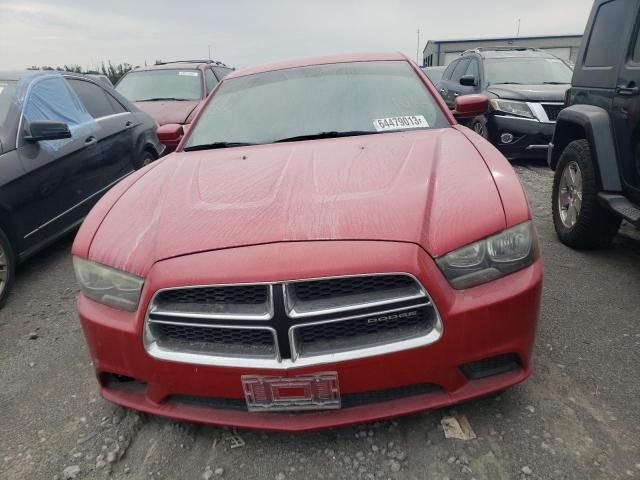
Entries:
{"x":579,"y":220}
{"x":7,"y":267}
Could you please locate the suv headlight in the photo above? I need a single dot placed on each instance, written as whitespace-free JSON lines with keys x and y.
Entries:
{"x":494,"y":257}
{"x":107,"y":285}
{"x":521,"y":109}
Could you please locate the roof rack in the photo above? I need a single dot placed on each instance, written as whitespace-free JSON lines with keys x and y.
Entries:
{"x":209,"y":62}
{"x":499,"y":49}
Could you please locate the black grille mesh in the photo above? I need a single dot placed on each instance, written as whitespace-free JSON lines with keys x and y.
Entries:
{"x":363,"y":332}
{"x":240,"y":294}
{"x":340,"y":287}
{"x":552,"y":111}
{"x":211,"y":335}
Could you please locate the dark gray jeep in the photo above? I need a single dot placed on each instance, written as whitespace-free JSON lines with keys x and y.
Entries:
{"x":595,"y":150}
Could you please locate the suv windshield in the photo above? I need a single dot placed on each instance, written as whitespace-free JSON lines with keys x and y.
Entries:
{"x":318,"y":101}
{"x":164,"y":84}
{"x":527,"y":70}
{"x":7,"y":90}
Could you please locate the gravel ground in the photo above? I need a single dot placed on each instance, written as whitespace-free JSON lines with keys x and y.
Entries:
{"x":578,"y":417}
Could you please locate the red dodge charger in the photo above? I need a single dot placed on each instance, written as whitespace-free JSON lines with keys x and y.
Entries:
{"x":326,"y":246}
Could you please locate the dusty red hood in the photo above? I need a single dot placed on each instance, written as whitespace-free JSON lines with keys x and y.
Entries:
{"x":168,"y":111}
{"x":431,"y":188}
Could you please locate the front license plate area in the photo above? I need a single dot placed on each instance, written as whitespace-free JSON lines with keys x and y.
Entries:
{"x":314,"y":391}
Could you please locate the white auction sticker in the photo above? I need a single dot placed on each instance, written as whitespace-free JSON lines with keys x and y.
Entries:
{"x":400,"y":123}
{"x":188,"y":74}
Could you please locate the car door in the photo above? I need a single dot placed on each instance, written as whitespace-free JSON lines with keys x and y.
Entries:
{"x":114,"y":135}
{"x":445,"y":81}
{"x":452,"y":86}
{"x":58,"y":174}
{"x":626,"y":110}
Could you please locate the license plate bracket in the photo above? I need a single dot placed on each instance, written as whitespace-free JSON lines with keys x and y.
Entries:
{"x":313,"y":391}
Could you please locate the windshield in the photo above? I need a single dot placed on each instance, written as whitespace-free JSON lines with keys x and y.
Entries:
{"x":7,"y":90}
{"x":527,"y":70}
{"x":317,"y":101}
{"x":166,"y":84}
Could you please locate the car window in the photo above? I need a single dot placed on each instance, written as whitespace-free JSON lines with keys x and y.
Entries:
{"x":7,"y":92}
{"x":161,"y":84}
{"x":460,"y":69}
{"x":342,"y":97}
{"x":53,"y":99}
{"x":95,"y":99}
{"x":635,"y":54}
{"x":527,"y":70}
{"x":211,"y":79}
{"x":472,"y":69}
{"x":222,"y":72}
{"x":449,"y":71}
{"x":604,"y":44}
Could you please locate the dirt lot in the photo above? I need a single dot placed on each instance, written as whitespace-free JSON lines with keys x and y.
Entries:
{"x":578,"y":417}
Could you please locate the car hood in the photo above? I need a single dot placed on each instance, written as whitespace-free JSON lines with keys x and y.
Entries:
{"x":169,"y":111}
{"x":530,"y":93}
{"x":431,"y":188}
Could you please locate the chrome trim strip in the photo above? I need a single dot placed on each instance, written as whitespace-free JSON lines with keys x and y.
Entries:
{"x":513,"y":117}
{"x":537,"y":147}
{"x":292,"y":330}
{"x":268,"y":315}
{"x":292,"y":313}
{"x":540,"y":113}
{"x":77,"y":205}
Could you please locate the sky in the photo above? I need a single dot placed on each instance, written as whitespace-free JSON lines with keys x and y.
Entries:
{"x":248,"y":32}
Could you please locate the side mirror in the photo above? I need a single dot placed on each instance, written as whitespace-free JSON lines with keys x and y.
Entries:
{"x":170,"y":134}
{"x":468,"y":81}
{"x":47,"y":130}
{"x":471,"y":105}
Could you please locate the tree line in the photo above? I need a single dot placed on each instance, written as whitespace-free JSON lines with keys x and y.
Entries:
{"x":113,"y":72}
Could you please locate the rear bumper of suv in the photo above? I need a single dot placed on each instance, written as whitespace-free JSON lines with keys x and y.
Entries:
{"x":530,"y":136}
{"x":485,"y":344}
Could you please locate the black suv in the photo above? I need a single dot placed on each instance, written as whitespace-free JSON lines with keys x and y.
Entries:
{"x":595,"y":150}
{"x":526,"y":88}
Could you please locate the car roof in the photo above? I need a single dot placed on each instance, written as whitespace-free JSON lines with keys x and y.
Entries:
{"x":515,"y":53}
{"x":322,"y":60}
{"x":20,"y":74}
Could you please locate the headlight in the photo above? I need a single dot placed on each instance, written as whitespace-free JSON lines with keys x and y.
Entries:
{"x":107,"y":285}
{"x":491,"y":258}
{"x":512,"y":107}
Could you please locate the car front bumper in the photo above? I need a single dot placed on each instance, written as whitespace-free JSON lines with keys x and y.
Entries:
{"x":531,"y":137}
{"x":483,"y":322}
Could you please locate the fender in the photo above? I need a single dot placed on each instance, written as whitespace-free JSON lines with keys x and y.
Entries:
{"x":593,"y":124}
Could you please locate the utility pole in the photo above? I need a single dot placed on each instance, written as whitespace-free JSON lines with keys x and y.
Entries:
{"x":418,"y":49}
{"x":518,"y":32}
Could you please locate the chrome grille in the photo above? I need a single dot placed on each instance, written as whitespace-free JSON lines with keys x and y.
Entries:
{"x":299,"y":322}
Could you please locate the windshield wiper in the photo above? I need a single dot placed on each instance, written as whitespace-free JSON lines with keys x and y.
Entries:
{"x":556,"y":83}
{"x":158,"y":99}
{"x":332,"y":134}
{"x":214,"y":145}
{"x":507,"y":83}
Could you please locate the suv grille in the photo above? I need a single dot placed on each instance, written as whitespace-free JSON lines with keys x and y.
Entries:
{"x":552,"y":110}
{"x":299,"y":321}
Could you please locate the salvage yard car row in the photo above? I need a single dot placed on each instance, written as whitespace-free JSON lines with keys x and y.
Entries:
{"x":326,"y":237}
